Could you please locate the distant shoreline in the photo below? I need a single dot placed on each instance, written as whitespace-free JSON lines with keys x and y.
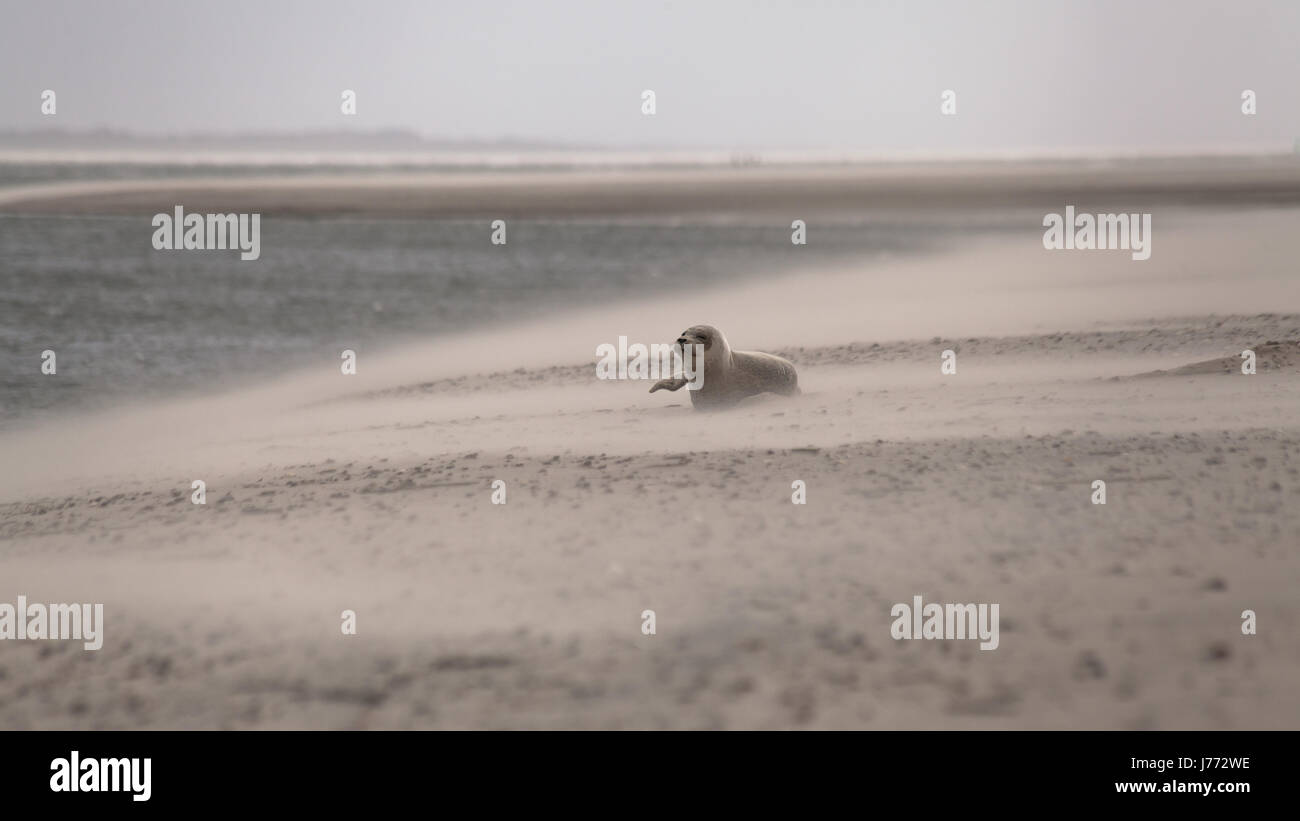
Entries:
{"x":787,"y":190}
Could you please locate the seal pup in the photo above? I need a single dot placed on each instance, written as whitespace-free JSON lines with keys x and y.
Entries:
{"x":730,"y":376}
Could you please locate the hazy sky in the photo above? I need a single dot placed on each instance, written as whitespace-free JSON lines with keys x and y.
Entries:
{"x":852,"y":75}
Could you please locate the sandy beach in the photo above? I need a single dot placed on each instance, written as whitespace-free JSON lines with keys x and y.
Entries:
{"x":372,"y":493}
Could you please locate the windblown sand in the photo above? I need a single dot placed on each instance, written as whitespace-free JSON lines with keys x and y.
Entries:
{"x":373,"y":493}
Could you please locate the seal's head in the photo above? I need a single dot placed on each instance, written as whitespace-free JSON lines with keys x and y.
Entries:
{"x":717,"y":353}
{"x":711,"y":338}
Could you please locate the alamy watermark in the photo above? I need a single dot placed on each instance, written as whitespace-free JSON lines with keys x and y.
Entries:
{"x":83,"y":622}
{"x":946,"y":621}
{"x":208,"y":232}
{"x":1088,"y":232}
{"x":77,"y":774}
{"x":659,"y":360}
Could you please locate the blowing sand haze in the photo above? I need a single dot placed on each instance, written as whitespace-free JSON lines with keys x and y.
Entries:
{"x":1003,"y":393}
{"x":373,"y":493}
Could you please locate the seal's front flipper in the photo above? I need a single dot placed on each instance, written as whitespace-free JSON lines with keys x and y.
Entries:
{"x":668,"y":384}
